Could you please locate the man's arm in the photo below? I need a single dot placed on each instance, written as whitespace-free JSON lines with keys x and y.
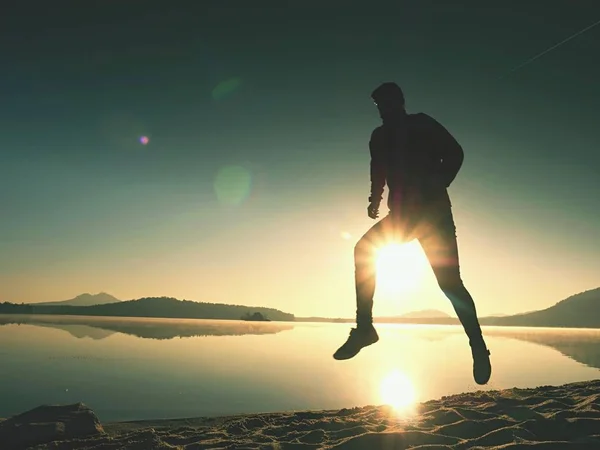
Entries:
{"x":377,"y":149}
{"x":450,"y":152}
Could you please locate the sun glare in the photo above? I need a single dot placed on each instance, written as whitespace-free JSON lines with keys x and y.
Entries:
{"x":399,"y":267}
{"x":398,"y":391}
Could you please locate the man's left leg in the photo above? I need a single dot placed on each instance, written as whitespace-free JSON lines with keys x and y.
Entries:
{"x":437,"y":237}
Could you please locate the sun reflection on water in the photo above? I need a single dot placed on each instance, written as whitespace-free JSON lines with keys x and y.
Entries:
{"x":398,"y":391}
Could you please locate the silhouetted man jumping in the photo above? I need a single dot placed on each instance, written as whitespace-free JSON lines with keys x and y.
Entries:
{"x":418,"y":159}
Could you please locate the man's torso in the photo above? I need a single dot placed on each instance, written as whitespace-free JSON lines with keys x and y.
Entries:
{"x":411,"y":164}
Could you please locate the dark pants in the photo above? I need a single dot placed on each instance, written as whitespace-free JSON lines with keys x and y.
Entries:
{"x":436,"y":232}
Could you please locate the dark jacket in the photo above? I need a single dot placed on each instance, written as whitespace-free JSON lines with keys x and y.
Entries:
{"x":417,"y":158}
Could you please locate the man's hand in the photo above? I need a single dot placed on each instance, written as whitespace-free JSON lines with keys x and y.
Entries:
{"x":373,"y":210}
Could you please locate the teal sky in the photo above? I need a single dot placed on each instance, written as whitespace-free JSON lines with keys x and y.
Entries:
{"x":253,"y":185}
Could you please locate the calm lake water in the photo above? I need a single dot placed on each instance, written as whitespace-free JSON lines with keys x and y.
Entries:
{"x":130,"y":369}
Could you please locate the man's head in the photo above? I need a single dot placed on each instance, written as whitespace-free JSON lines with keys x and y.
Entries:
{"x":389,"y":99}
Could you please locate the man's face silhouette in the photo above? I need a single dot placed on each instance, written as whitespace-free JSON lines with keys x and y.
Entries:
{"x":389,"y":99}
{"x":389,"y":106}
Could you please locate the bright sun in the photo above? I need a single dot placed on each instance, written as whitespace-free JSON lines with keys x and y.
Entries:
{"x":399,"y":267}
{"x":398,"y":391}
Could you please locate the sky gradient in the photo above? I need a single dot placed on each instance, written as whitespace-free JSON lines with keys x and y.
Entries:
{"x":252,"y":187}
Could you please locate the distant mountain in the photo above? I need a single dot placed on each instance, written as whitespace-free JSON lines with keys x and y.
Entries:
{"x":431,"y":315}
{"x":150,"y":307}
{"x":85,"y":300}
{"x":578,"y":311}
{"x":426,"y":314}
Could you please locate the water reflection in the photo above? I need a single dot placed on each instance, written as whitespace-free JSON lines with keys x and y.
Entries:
{"x":581,"y":345}
{"x":398,"y":391}
{"x":146,"y":328}
{"x":134,"y":368}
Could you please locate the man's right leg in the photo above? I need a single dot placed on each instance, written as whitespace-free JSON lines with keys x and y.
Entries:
{"x":365,"y":273}
{"x":365,"y":276}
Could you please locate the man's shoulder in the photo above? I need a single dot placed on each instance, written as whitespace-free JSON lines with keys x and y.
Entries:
{"x":415,"y":121}
{"x":377,"y":134}
{"x":377,"y":130}
{"x":422,"y":119}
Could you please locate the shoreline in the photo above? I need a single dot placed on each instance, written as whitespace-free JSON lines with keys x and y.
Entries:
{"x":31,"y":318}
{"x":562,"y":417}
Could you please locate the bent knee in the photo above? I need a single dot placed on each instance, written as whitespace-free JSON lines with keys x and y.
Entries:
{"x":451,"y":284}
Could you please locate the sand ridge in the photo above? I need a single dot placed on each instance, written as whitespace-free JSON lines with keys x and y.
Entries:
{"x":547,"y":417}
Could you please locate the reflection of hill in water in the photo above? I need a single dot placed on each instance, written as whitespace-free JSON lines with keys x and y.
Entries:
{"x":78,"y":331}
{"x":580,"y":345}
{"x":102,"y":327}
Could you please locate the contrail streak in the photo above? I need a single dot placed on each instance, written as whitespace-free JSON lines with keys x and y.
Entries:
{"x":539,"y":55}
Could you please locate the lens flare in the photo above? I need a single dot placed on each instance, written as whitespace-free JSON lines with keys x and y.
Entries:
{"x":232,"y":185}
{"x":226,"y":88}
{"x":123,"y":130}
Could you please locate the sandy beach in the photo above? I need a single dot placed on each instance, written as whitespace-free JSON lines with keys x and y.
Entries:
{"x":547,"y":417}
